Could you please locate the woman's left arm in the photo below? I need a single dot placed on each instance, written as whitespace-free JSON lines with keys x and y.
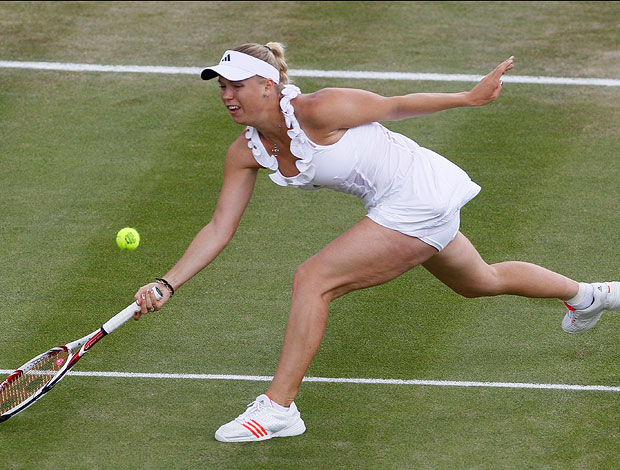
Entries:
{"x":346,"y":108}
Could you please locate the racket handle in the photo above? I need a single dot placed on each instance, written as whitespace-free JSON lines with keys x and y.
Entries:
{"x":124,"y":315}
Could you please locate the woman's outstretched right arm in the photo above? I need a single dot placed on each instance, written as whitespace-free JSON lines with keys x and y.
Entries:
{"x":240,"y":172}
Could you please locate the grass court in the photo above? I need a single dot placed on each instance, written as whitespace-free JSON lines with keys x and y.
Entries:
{"x":83,"y":154}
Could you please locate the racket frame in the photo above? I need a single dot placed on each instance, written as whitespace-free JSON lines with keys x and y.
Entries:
{"x":84,"y":343}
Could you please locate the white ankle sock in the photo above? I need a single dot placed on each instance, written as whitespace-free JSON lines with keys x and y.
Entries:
{"x":278,"y":407}
{"x":584,"y":297}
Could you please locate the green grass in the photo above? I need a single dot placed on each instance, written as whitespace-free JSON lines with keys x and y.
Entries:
{"x":84,"y":154}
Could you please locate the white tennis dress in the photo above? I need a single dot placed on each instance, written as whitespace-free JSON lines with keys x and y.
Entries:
{"x":404,"y":187}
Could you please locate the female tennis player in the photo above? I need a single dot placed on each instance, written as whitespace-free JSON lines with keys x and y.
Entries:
{"x":332,"y":139}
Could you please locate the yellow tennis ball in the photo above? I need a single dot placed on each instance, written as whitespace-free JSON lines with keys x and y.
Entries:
{"x":127,"y":239}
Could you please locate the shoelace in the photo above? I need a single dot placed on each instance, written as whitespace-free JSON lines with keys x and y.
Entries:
{"x":253,"y":408}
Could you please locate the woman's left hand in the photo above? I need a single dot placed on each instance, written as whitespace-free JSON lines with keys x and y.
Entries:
{"x":488,"y":89}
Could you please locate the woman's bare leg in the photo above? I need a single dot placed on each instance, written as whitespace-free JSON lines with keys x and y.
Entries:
{"x":461,"y":268}
{"x":365,"y":255}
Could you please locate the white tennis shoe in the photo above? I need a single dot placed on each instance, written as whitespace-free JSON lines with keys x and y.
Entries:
{"x":606,"y":297}
{"x":261,"y":422}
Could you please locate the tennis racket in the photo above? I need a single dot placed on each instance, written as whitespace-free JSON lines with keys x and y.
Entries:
{"x":40,"y":374}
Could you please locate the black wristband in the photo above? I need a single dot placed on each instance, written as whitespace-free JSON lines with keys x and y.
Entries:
{"x":167,"y":284}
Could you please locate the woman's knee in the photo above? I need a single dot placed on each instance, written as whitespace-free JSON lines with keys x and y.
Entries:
{"x":484,"y":285}
{"x":472,"y":292}
{"x":311,"y":279}
{"x":307,"y":279}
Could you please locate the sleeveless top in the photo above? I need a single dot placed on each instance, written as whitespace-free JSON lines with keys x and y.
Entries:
{"x":404,"y":187}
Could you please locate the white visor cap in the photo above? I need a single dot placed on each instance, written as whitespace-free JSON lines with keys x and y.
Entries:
{"x":236,"y":66}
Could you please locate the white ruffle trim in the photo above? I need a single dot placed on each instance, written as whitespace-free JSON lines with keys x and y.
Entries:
{"x":263,"y":158}
{"x":300,"y":145}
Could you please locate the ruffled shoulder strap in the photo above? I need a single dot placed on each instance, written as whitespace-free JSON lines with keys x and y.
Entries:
{"x":300,"y":145}
{"x":262,"y":157}
{"x":289,"y":92}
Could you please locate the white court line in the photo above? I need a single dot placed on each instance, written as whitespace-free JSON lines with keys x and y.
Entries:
{"x":264,"y":378}
{"x":540,"y":80}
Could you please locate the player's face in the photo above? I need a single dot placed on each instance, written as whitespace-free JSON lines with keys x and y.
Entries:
{"x":243,"y":99}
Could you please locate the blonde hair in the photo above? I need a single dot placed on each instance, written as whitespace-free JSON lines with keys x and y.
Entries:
{"x":273,"y":54}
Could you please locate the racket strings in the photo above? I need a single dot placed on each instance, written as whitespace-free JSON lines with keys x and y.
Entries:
{"x":34,"y":375}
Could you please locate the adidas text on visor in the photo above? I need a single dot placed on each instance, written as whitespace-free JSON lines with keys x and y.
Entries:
{"x":236,"y":66}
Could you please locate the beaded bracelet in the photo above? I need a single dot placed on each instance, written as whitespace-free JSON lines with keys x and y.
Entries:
{"x":167,"y":284}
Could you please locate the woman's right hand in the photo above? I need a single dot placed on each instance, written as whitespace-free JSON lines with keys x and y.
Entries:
{"x":147,"y":301}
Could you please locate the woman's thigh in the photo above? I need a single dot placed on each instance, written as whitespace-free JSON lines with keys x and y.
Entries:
{"x":366,"y":255}
{"x":460,"y":266}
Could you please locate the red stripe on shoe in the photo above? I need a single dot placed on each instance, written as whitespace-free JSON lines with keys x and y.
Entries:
{"x":249,"y":428}
{"x":569,"y":307}
{"x":261,"y":428}
{"x":257,"y":429}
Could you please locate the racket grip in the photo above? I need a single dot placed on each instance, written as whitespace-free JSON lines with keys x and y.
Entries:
{"x":124,"y":315}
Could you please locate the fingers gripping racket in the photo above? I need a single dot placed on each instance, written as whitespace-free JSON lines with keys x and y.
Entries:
{"x":39,"y":375}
